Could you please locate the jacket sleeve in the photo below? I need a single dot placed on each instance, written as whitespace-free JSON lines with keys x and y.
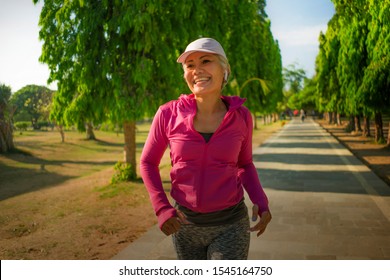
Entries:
{"x":153,"y":151}
{"x":247,"y":170}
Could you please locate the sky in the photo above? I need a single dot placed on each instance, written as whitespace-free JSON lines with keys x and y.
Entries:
{"x":20,"y":47}
{"x":296,"y":24}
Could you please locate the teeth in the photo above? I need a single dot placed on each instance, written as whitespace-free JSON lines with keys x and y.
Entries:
{"x":201,"y":79}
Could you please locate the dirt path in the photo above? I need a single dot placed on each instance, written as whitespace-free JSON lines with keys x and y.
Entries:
{"x":73,"y":220}
{"x":375,"y":156}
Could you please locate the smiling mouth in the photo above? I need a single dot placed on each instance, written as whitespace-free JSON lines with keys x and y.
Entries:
{"x":201,"y":80}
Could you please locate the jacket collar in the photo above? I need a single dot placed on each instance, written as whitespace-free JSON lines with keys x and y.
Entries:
{"x":188,"y":101}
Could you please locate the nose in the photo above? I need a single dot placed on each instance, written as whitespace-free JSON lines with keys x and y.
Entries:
{"x":198,"y":69}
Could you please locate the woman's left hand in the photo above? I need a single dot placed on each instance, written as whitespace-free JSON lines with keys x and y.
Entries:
{"x":265,"y":218}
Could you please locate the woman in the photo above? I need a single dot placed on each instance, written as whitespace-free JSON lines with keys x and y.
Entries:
{"x":210,"y":140}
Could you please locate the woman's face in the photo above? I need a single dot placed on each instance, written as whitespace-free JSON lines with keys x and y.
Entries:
{"x":203,"y":73}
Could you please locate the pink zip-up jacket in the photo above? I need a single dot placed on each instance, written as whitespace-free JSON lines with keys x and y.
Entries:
{"x":205,"y":177}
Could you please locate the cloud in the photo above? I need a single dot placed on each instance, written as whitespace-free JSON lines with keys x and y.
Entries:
{"x":300,"y":36}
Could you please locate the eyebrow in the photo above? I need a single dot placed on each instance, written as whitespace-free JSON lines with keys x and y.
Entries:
{"x":203,"y":56}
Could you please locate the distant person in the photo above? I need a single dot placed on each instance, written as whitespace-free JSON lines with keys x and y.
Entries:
{"x":210,"y":141}
{"x":303,"y":115}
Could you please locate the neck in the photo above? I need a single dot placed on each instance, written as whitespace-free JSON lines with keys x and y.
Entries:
{"x":209,"y":104}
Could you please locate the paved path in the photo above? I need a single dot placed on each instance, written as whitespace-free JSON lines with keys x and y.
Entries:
{"x":325,"y":203}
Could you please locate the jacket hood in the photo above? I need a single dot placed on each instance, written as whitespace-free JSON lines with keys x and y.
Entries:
{"x":188,"y":100}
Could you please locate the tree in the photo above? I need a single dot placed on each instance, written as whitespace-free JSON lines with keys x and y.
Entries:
{"x":328,"y":85}
{"x":255,"y":59}
{"x":375,"y":86}
{"x":112,"y":60}
{"x":307,"y":96}
{"x":353,"y":57}
{"x":32,"y":101}
{"x":353,"y":64}
{"x":6,"y":137}
{"x":116,"y":60}
{"x":293,"y":78}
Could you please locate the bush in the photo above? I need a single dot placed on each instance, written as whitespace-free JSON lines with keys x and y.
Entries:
{"x":123,"y":173}
{"x":44,"y":125}
{"x":22,"y":126}
{"x":110,"y":127}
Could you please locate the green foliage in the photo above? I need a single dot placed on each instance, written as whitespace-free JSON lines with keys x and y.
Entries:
{"x":328,"y":85}
{"x":256,"y":64}
{"x":45,"y":125}
{"x":108,"y":126}
{"x":32,"y":102}
{"x":114,"y":190}
{"x":293,"y":78}
{"x":22,"y":126}
{"x":353,"y":64}
{"x":116,"y":60}
{"x":295,"y":94}
{"x":381,"y":141}
{"x":308,"y":95}
{"x":124,"y":172}
{"x":376,"y":81}
{"x":22,"y":116}
{"x":5,"y":94}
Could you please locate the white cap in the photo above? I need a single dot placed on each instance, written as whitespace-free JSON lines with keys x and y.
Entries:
{"x":208,"y":45}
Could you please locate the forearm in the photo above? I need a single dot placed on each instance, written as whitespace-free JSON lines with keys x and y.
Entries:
{"x":251,"y":183}
{"x":152,"y":181}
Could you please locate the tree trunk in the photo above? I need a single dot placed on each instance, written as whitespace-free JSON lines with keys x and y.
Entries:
{"x":130,"y":145}
{"x":366,"y":127}
{"x":388,"y":135}
{"x":338,"y":119}
{"x":254,"y":121}
{"x":358,"y":128}
{"x":34,"y":123}
{"x":334,"y":117}
{"x":351,"y":125}
{"x":330,"y":118}
{"x":275,"y":117}
{"x":378,"y":128}
{"x":117,"y":129}
{"x":89,"y":129}
{"x":6,"y":137}
{"x":61,"y":130}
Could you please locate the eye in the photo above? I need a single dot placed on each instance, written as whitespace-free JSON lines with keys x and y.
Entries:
{"x":206,"y":61}
{"x":189,"y":66}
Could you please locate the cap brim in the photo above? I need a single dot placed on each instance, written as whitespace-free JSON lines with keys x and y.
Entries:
{"x":182,"y":58}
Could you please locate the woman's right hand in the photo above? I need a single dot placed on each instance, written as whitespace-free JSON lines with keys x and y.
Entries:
{"x":172,"y":225}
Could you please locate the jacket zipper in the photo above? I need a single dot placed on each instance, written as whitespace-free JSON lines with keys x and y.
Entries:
{"x":204,"y":158}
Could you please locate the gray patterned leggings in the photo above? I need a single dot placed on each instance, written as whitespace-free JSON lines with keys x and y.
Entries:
{"x":226,"y":242}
